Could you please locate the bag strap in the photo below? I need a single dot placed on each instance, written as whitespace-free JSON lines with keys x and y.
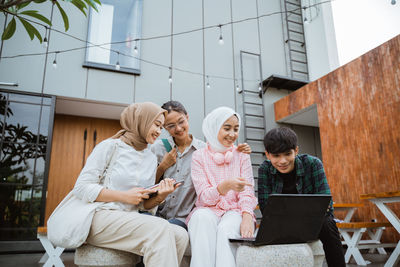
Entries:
{"x":105,"y":175}
{"x":167,"y":145}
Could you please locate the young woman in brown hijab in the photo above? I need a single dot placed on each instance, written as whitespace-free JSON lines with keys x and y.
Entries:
{"x":131,"y":168}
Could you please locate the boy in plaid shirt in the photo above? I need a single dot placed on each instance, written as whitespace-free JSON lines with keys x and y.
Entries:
{"x":286,"y":172}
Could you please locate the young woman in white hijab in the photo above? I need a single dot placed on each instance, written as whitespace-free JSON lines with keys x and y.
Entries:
{"x":223,"y":180}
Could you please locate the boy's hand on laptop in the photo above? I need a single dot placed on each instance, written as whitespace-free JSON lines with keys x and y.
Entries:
{"x":247,"y":225}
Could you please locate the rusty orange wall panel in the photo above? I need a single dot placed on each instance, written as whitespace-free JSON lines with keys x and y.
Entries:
{"x":359,"y":117}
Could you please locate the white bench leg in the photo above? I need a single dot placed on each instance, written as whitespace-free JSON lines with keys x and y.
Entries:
{"x":53,"y":254}
{"x":352,"y":242}
{"x":377,"y":238}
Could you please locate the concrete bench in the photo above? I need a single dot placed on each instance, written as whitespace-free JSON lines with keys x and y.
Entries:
{"x":290,"y":255}
{"x":88,"y":255}
{"x":355,"y":243}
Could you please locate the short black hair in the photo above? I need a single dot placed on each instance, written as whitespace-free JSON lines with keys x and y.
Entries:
{"x":174,"y":106}
{"x":280,"y":140}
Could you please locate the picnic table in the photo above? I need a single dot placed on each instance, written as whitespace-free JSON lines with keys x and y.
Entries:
{"x":381,"y":200}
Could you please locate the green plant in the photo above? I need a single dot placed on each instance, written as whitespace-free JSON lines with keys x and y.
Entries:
{"x":18,"y":10}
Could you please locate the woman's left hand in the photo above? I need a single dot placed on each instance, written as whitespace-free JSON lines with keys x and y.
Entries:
{"x":244,"y":148}
{"x":247,"y":225}
{"x":166,"y":187}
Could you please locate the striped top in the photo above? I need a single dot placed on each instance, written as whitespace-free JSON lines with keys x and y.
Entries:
{"x":207,"y":175}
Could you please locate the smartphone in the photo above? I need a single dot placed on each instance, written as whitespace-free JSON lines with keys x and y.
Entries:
{"x":154,"y":186}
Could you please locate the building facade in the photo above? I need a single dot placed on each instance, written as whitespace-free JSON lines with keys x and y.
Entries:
{"x":156,"y":51}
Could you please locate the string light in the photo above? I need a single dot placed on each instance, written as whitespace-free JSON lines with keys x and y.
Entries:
{"x":208,"y":82}
{"x":221,"y":39}
{"x":259,"y":87}
{"x":55,"y":61}
{"x":238,"y":90}
{"x":170,"y":75}
{"x":45,"y":43}
{"x":135,"y":49}
{"x":89,"y":44}
{"x":117,"y":66}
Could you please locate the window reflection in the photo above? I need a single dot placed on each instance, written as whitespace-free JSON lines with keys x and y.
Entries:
{"x":22,"y":164}
{"x":25,"y":119}
{"x":44,"y":124}
{"x":17,"y":161}
{"x":19,"y":205}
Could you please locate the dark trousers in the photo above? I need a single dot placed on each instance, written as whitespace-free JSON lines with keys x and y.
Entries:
{"x":330,"y":239}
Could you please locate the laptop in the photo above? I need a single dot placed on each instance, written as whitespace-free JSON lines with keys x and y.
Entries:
{"x":290,"y":218}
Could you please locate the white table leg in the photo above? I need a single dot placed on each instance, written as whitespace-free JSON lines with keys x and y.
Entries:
{"x":44,"y":258}
{"x":394,"y":257}
{"x":53,"y":254}
{"x":349,"y":215}
{"x":395,"y":221}
{"x":389,"y":214}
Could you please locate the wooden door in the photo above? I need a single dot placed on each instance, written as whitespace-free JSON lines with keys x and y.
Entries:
{"x":73,"y":140}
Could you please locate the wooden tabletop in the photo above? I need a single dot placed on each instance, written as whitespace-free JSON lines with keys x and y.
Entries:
{"x":348,"y":205}
{"x":42,"y":229}
{"x":380,"y":195}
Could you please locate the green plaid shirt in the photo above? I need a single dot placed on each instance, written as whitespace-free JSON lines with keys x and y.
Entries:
{"x":310,"y":179}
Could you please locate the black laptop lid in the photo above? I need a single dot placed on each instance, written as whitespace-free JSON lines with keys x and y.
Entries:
{"x":292,"y":218}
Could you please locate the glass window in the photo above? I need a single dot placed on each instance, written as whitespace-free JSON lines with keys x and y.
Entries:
{"x":22,"y":163}
{"x":18,"y":162}
{"x":22,"y":126}
{"x":25,"y":98}
{"x":44,"y":124}
{"x":115,"y":28}
{"x":20,"y":211}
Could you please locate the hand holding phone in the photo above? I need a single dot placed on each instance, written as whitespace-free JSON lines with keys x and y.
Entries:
{"x":163,"y":188}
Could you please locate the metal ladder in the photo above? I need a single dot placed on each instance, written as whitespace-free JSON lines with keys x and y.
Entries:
{"x":253,"y":119}
{"x":295,"y":44}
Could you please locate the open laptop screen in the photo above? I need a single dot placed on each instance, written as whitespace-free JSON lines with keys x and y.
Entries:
{"x":292,"y":218}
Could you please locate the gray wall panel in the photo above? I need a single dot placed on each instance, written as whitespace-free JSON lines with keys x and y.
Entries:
{"x":26,"y":71}
{"x":69,"y":78}
{"x":152,"y":84}
{"x":103,"y":86}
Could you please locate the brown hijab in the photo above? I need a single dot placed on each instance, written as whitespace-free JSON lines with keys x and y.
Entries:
{"x":136,"y":120}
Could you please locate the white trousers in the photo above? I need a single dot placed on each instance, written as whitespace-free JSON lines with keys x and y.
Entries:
{"x":159,"y":242}
{"x":209,"y":238}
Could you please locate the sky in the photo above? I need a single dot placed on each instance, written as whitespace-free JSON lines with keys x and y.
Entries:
{"x":362,"y":25}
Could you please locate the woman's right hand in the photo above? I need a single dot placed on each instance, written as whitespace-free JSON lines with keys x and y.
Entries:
{"x":136,"y":195}
{"x":236,"y":184}
{"x":169,"y":159}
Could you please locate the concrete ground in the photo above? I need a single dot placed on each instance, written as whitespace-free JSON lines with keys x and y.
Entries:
{"x":32,"y":260}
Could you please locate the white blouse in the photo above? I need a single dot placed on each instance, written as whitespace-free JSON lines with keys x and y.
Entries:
{"x":130,"y":168}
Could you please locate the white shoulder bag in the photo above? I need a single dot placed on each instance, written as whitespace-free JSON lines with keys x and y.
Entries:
{"x":69,"y":224}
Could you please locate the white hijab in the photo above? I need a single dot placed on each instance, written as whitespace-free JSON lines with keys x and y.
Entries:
{"x":213,"y":122}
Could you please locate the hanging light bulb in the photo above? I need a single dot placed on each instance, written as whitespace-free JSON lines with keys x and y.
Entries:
{"x":393,"y":2}
{"x":237,"y":87}
{"x":135,"y":49}
{"x":45,"y":43}
{"x":221,"y":39}
{"x":117,"y":66}
{"x":170,"y":75}
{"x":306,"y":20}
{"x":55,"y":61}
{"x":208,"y":82}
{"x":259,"y":87}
